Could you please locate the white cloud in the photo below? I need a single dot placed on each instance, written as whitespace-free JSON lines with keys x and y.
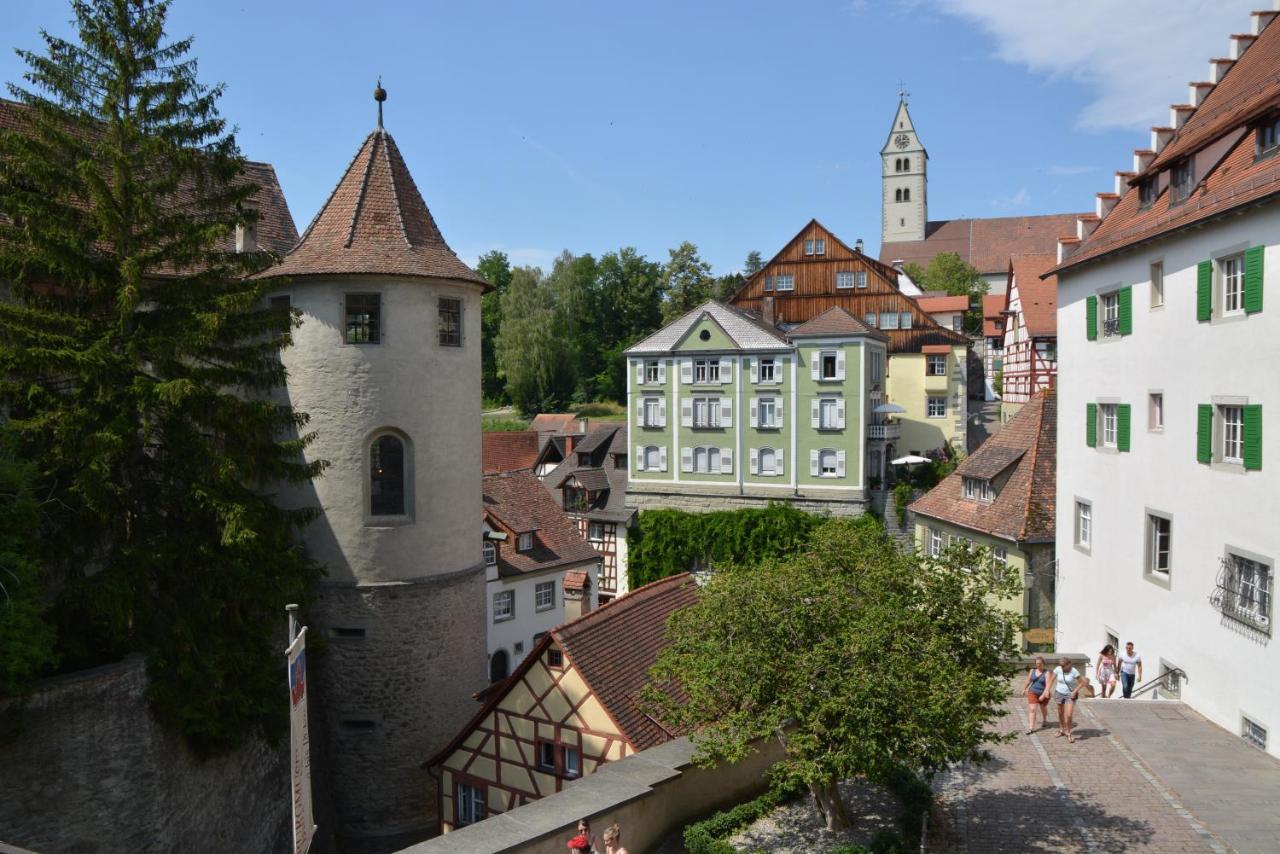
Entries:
{"x":1135,"y":56}
{"x":1070,"y":169}
{"x":1019,"y":199}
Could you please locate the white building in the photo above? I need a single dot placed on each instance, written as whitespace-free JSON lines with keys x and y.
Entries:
{"x":1168,"y":485}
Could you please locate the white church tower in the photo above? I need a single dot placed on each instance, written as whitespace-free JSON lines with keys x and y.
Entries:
{"x":386,"y":363}
{"x":905,"y":180}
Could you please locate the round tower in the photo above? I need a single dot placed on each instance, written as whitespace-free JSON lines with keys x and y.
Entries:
{"x":387,"y":364}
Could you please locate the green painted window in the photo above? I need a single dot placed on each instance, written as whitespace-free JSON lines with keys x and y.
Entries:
{"x":1253,"y":280}
{"x":1253,"y":437}
{"x":1091,"y":423}
{"x":1125,"y":316}
{"x":1091,"y":317}
{"x":1204,"y":433}
{"x":1204,"y":290}
{"x":1122,"y":425}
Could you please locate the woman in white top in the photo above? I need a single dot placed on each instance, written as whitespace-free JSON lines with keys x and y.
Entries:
{"x":1064,"y":685}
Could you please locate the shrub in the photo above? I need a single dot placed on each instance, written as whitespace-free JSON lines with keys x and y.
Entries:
{"x":707,"y":836}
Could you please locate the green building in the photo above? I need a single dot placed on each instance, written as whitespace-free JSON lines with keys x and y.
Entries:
{"x":726,"y":412}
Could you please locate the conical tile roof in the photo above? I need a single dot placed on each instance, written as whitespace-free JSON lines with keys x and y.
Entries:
{"x":374,"y":222}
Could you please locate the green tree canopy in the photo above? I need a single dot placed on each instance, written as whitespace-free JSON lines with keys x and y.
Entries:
{"x":138,"y":366}
{"x":496,"y":269}
{"x":686,"y":281}
{"x":534,"y":356}
{"x":862,"y":658}
{"x":754,"y":263}
{"x":952,"y":274}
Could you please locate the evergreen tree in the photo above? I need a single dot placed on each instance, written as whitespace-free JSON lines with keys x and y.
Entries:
{"x":686,"y":281}
{"x":496,"y":268}
{"x":753,"y":264}
{"x":137,"y":365}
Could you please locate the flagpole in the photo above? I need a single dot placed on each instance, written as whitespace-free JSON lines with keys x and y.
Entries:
{"x":304,"y":828}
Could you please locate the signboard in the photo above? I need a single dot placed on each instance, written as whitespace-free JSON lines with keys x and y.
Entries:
{"x":300,"y":745}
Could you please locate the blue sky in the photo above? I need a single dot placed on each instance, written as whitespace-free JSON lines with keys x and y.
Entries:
{"x":533,"y":127}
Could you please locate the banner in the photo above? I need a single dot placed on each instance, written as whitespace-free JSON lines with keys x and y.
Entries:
{"x":300,"y":745}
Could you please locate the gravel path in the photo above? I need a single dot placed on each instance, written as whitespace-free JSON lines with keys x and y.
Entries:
{"x":796,"y":828}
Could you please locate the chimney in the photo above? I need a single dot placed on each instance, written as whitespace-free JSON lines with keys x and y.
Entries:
{"x":577,"y":596}
{"x":582,"y":424}
{"x":568,"y":444}
{"x":766,"y":311}
{"x":246,"y":237}
{"x":857,"y":247}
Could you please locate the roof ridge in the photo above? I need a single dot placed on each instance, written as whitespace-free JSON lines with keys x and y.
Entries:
{"x":333,"y":192}
{"x":395,"y":190}
{"x":1037,"y":400}
{"x":364,"y":190}
{"x":581,"y":620}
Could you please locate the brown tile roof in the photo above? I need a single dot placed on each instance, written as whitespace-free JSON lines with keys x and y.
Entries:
{"x":935,"y":303}
{"x":984,"y":243}
{"x":375,"y":222}
{"x":517,"y":502}
{"x":1039,"y":296}
{"x":576,"y":580}
{"x":553,"y":422}
{"x":592,"y":479}
{"x":992,"y":320}
{"x":508,"y":451}
{"x":1024,"y":505}
{"x":836,"y":321}
{"x":604,"y":441}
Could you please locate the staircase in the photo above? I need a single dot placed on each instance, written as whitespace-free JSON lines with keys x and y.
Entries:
{"x":883,"y":503}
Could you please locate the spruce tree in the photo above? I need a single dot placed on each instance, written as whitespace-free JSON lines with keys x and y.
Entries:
{"x":138,"y":362}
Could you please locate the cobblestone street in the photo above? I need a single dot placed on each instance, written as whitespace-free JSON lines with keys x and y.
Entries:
{"x":1141,"y":776}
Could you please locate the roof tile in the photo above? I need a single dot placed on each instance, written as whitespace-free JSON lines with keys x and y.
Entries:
{"x":984,"y":243}
{"x":836,"y":321}
{"x":508,"y":451}
{"x":518,"y":502}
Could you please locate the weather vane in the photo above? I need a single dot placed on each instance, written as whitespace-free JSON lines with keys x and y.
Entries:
{"x":379,"y":95}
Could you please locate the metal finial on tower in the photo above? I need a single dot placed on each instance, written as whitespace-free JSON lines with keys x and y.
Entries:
{"x":903,"y":94}
{"x":379,"y":95}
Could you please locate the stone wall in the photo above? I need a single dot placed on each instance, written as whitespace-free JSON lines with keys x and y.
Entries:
{"x":393,"y":683}
{"x":706,"y":502}
{"x":85,"y":768}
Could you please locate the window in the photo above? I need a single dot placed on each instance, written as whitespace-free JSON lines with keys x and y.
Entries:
{"x":386,"y":477}
{"x":499,"y":666}
{"x":546,"y":756}
{"x":936,"y":544}
{"x":768,"y":282}
{"x":1232,"y":419}
{"x":595,"y":532}
{"x":652,"y":458}
{"x":652,"y":412}
{"x":504,"y":605}
{"x":828,"y":414}
{"x":860,"y":278}
{"x":1244,"y":591}
{"x":1001,"y":555}
{"x":937,"y":366}
{"x":1269,"y":136}
{"x":827,"y":463}
{"x":706,"y":370}
{"x":844,"y":279}
{"x":786,"y":282}
{"x":897,"y":195}
{"x":524,"y":542}
{"x":877,"y":366}
{"x":544,"y":595}
{"x":246,"y":237}
{"x":651,"y":372}
{"x":1253,"y":732}
{"x":979,"y":489}
{"x":1107,"y":412}
{"x":1157,"y":284}
{"x":555,"y":658}
{"x":906,"y":194}
{"x":1231,"y":274}
{"x":904,"y":320}
{"x":820,"y":246}
{"x":469,"y":804}
{"x":1155,"y":411}
{"x":936,"y":407}
{"x":1148,"y":190}
{"x":957,"y":323}
{"x":906,"y":164}
{"x":570,"y":763}
{"x":706,"y":412}
{"x":1170,"y":682}
{"x":1110,"y":314}
{"x":364,"y":318}
{"x":889,"y":320}
{"x":828,"y":366}
{"x":450,"y":314}
{"x":1159,"y":532}
{"x":1181,"y":180}
{"x":808,"y":247}
{"x":768,"y":461}
{"x":706,"y":460}
{"x":280,"y":303}
{"x":490,"y":552}
{"x":620,"y":461}
{"x":1084,"y":524}
{"x":575,"y":498}
{"x":768,"y":412}
{"x":768,"y":370}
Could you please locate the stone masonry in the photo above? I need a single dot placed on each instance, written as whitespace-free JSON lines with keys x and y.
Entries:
{"x":706,"y":502}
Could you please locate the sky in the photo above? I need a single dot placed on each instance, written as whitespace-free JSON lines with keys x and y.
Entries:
{"x":535,"y":127}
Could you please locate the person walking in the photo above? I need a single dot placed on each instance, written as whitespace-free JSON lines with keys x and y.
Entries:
{"x":1064,"y":686}
{"x":1105,"y":669}
{"x":1034,"y":688}
{"x":613,"y":840}
{"x":1130,"y":669}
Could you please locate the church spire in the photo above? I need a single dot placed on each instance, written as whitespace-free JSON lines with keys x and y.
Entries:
{"x":904,"y":176}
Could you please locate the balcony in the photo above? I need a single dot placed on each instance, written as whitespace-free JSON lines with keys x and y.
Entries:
{"x":882,"y":432}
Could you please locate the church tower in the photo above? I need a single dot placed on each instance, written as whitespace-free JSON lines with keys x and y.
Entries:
{"x":386,"y":363}
{"x":905,"y":180}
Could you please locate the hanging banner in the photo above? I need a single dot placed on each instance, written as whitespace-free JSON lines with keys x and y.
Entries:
{"x":300,"y":745}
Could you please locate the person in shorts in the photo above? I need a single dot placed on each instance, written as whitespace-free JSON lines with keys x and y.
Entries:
{"x":1063,"y":687}
{"x":1037,"y":677}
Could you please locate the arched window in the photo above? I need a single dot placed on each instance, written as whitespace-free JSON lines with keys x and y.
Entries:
{"x":767,"y":461}
{"x":386,"y":476}
{"x":897,"y":195}
{"x":498,"y":666}
{"x":906,"y":164}
{"x":652,"y":458}
{"x":906,"y":194}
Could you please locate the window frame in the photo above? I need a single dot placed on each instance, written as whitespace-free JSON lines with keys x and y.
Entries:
{"x":706,"y":453}
{"x":828,"y":413}
{"x":1230,"y":434}
{"x":1248,"y":732}
{"x":1148,"y":192}
{"x":937,"y":542}
{"x":652,"y":412}
{"x":544,"y":590}
{"x":1157,"y":284}
{"x":784,"y":282}
{"x":449,"y":332}
{"x":710,"y":407}
{"x":1109,"y":423}
{"x":1269,"y":127}
{"x":379,"y":515}
{"x":1155,"y":411}
{"x":770,"y":405}
{"x":524,"y":542}
{"x":478,"y":795}
{"x":935,"y":365}
{"x":808,"y":247}
{"x":656,"y":453}
{"x":844,"y":276}
{"x":509,"y":596}
{"x":372,"y":325}
{"x":651,"y":372}
{"x":592,"y":528}
{"x":1182,"y":182}
{"x":773,"y":462}
{"x":1230,"y":270}
{"x":767,"y":366}
{"x":489,"y":553}
{"x":929,"y":406}
{"x":833,"y":358}
{"x":823,"y":454}
{"x":1158,"y":543}
{"x":706,"y":371}
{"x":1083,"y":525}
{"x":1109,"y":314}
{"x":978,"y":489}
{"x":820,"y":246}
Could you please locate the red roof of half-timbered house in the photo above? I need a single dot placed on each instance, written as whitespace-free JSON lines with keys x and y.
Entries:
{"x":1039,"y":297}
{"x":517,"y":502}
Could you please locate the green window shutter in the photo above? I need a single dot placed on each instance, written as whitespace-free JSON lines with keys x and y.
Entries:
{"x":1204,"y":290}
{"x":1125,"y":313}
{"x":1253,"y":437}
{"x":1204,"y":433}
{"x":1253,"y":280}
{"x":1091,"y":424}
{"x":1122,"y":427}
{"x":1091,"y":317}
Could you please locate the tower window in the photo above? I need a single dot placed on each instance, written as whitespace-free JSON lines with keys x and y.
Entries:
{"x":364,"y":318}
{"x":906,"y":194}
{"x":386,"y":477}
{"x":897,"y":195}
{"x":906,"y":164}
{"x":450,"y":322}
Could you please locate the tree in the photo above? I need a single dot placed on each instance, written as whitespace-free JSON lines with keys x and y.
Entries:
{"x":496,"y":269}
{"x":754,"y":263}
{"x":686,"y":281}
{"x":532,"y":350}
{"x":137,"y":369}
{"x":952,"y":274}
{"x":859,"y":657}
{"x":727,"y":285}
{"x":625,"y":306}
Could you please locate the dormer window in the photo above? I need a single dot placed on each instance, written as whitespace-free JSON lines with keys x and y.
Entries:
{"x":490,"y":553}
{"x":1269,"y":136}
{"x":575,"y":498}
{"x":978,"y":489}
{"x":524,"y":542}
{"x":1147,"y":192}
{"x":1181,"y":179}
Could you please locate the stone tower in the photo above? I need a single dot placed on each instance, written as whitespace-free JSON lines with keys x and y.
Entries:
{"x":905,"y":180}
{"x":387,"y":364}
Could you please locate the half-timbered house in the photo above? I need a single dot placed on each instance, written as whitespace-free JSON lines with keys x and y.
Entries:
{"x":1030,"y":331}
{"x":568,"y":708}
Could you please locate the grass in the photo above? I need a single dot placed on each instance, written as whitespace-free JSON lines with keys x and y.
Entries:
{"x":605,"y":409}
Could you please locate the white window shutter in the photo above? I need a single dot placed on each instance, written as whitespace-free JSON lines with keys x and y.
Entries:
{"x":640,"y":372}
{"x":726,"y":412}
{"x":686,"y":371}
{"x":813,"y":464}
{"x":755,"y":369}
{"x":839,"y":463}
{"x":686,"y":459}
{"x":639,"y":457}
{"x":777,"y":462}
{"x":662,"y":412}
{"x":755,"y":460}
{"x":726,"y":460}
{"x":662,"y":371}
{"x":840,"y":413}
{"x":778,"y":408}
{"x":662,"y":458}
{"x":686,"y":412}
{"x":640,"y":411}
{"x":755,"y":412}
{"x":815,"y":364}
{"x":726,"y":371}
{"x":815,"y":413}
{"x":840,"y":364}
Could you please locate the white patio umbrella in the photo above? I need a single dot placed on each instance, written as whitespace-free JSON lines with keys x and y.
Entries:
{"x":909,"y":460}
{"x":889,"y":409}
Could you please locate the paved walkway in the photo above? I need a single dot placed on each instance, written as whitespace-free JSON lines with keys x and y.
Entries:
{"x":1141,"y":776}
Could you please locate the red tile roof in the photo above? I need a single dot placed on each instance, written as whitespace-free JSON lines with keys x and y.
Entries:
{"x":1024,"y":505}
{"x":984,"y":243}
{"x":939,"y":304}
{"x":375,"y":222}
{"x":516,"y":502}
{"x":992,"y":320}
{"x":508,"y":451}
{"x":836,"y":321}
{"x":553,"y":422}
{"x":576,"y":580}
{"x":1039,"y":296}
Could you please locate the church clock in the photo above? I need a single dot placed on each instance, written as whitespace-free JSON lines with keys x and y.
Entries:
{"x":902,"y":141}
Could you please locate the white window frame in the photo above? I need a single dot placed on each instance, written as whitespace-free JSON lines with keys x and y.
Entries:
{"x":1084,"y":524}
{"x":785,"y":282}
{"x":651,"y":372}
{"x":1231,"y":433}
{"x":808,"y":247}
{"x":1252,"y":592}
{"x":1159,"y":546}
{"x":929,"y":407}
{"x":772,"y":468}
{"x":504,"y":606}
{"x":844,"y":279}
{"x":768,"y":370}
{"x":835,"y":365}
{"x":1110,"y":312}
{"x":544,"y":595}
{"x":859,"y":278}
{"x":824,"y":455}
{"x":1000,"y":555}
{"x":829,"y":413}
{"x":706,"y":413}
{"x":706,"y":371}
{"x":595,"y":532}
{"x":904,"y":320}
{"x":524,"y":542}
{"x":936,"y":366}
{"x":1155,"y":411}
{"x":651,"y":452}
{"x":1231,"y":279}
{"x":768,"y":413}
{"x":570,"y":769}
{"x":652,"y":412}
{"x":1253,"y":732}
{"x":888,"y":320}
{"x":820,"y":246}
{"x":471,"y":803}
{"x":1109,"y":423}
{"x":490,"y":553}
{"x":936,"y":542}
{"x":978,"y":489}
{"x":1157,"y":284}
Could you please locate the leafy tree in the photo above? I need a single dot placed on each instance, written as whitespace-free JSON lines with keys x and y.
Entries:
{"x":727,"y":285}
{"x":686,"y":281}
{"x":957,"y":277}
{"x":754,"y":263}
{"x":137,"y":363}
{"x":496,"y":269}
{"x":571,"y":287}
{"x":532,"y":350}
{"x":859,"y":657}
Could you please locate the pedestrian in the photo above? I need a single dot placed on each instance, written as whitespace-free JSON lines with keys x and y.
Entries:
{"x":1130,"y":669}
{"x":613,"y":840}
{"x":1064,"y":687}
{"x":584,"y":840}
{"x":1034,"y":688}
{"x":1105,"y":669}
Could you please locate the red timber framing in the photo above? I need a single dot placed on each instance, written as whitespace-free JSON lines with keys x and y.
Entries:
{"x":1029,"y":366}
{"x":607,"y":546}
{"x":1030,"y":337}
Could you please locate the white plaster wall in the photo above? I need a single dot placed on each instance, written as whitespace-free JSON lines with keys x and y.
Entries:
{"x":621,"y":546}
{"x":529,"y":621}
{"x":1230,"y":671}
{"x":407,"y":382}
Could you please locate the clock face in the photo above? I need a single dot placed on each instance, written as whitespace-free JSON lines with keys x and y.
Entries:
{"x":902,"y":141}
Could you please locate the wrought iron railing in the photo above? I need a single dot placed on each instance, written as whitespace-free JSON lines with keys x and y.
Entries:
{"x":1111,"y":327}
{"x":1245,"y":600}
{"x":1171,"y":680}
